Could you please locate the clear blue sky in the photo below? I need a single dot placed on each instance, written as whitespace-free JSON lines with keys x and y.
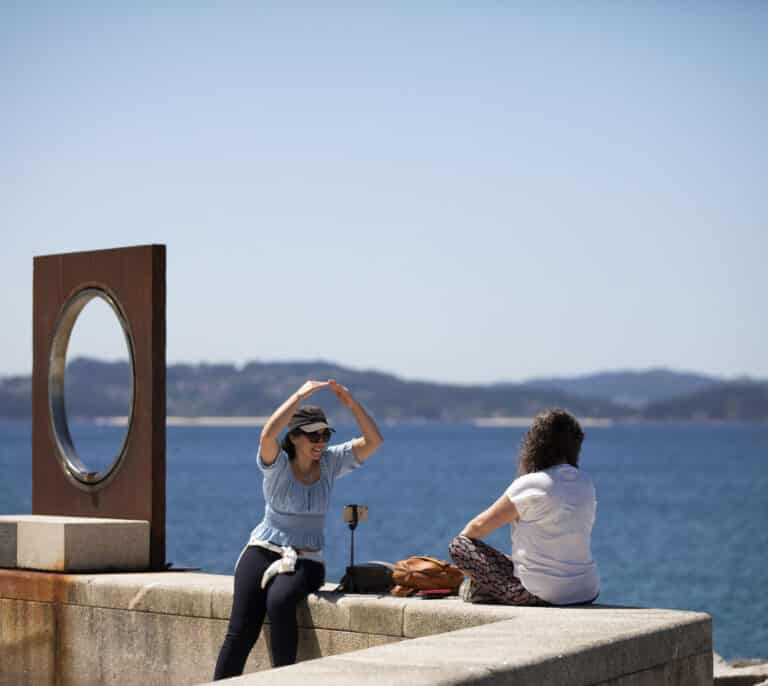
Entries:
{"x":473,"y":192}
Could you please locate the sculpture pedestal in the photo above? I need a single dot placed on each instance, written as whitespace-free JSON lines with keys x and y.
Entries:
{"x":73,"y":544}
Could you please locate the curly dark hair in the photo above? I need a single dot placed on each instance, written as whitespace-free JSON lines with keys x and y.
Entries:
{"x":554,"y":437}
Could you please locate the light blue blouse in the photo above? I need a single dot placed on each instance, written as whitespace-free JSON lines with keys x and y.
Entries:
{"x":294,"y":514}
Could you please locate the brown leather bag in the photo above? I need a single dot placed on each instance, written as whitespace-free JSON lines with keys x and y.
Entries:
{"x":423,"y":572}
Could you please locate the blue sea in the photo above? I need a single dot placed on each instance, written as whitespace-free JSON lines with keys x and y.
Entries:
{"x":682,"y":509}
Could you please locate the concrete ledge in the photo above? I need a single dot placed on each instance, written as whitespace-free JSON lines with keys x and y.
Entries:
{"x":741,"y":673}
{"x":344,"y":671}
{"x":27,"y":642}
{"x":578,"y":647}
{"x":167,"y":627}
{"x":73,"y":544}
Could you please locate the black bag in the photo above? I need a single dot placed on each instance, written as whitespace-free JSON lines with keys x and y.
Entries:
{"x":372,"y":577}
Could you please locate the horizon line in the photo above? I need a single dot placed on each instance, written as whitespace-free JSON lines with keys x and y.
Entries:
{"x":366,"y":369}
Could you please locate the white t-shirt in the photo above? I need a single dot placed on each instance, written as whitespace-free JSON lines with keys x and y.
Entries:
{"x":551,"y":542}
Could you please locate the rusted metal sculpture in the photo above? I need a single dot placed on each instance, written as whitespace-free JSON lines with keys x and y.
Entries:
{"x":132,"y":282}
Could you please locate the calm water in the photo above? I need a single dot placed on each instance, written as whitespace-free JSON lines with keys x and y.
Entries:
{"x":682,"y":509}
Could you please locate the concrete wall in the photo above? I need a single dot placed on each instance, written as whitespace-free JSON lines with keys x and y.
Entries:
{"x":166,"y":628}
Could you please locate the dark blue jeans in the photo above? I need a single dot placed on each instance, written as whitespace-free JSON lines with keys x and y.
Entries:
{"x":250,"y":603}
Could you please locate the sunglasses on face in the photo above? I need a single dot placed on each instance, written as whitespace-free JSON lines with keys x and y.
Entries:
{"x":319,"y":436}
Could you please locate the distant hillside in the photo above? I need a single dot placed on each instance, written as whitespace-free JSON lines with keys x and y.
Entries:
{"x":258,"y":388}
{"x":98,"y":389}
{"x":743,"y":401}
{"x":16,"y":397}
{"x":635,"y":389}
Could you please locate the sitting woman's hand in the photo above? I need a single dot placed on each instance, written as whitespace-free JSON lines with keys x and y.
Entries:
{"x":503,"y":511}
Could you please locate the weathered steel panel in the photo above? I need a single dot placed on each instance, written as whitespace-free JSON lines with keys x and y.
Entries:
{"x":135,"y":278}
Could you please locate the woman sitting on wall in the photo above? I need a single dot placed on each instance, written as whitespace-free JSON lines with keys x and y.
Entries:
{"x":551,"y":507}
{"x":283,"y":562}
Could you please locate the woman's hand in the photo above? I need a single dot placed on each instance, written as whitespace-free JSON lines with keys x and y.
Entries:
{"x":269,"y":447}
{"x":364,"y":446}
{"x":342,"y":393}
{"x":310,"y":387}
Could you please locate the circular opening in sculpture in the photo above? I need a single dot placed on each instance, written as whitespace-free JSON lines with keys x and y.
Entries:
{"x":91,"y":386}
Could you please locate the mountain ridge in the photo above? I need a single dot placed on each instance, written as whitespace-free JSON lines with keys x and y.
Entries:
{"x":633,"y":388}
{"x":96,"y":388}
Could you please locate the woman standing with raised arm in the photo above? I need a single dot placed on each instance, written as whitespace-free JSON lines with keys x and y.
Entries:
{"x":551,"y":507}
{"x":283,"y":560}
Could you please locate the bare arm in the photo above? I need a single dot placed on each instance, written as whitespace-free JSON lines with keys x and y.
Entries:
{"x":364,"y":446}
{"x":269,"y":447}
{"x":503,"y":511}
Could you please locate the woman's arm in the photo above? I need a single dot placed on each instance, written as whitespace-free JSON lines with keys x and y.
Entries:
{"x":367,"y":444}
{"x":269,"y":447}
{"x":503,"y":511}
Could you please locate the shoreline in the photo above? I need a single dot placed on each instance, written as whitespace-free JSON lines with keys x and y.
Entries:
{"x":189,"y":421}
{"x":524,"y":422}
{"x":479,"y":422}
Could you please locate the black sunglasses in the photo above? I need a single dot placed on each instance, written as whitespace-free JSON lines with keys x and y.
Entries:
{"x":318,"y":436}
